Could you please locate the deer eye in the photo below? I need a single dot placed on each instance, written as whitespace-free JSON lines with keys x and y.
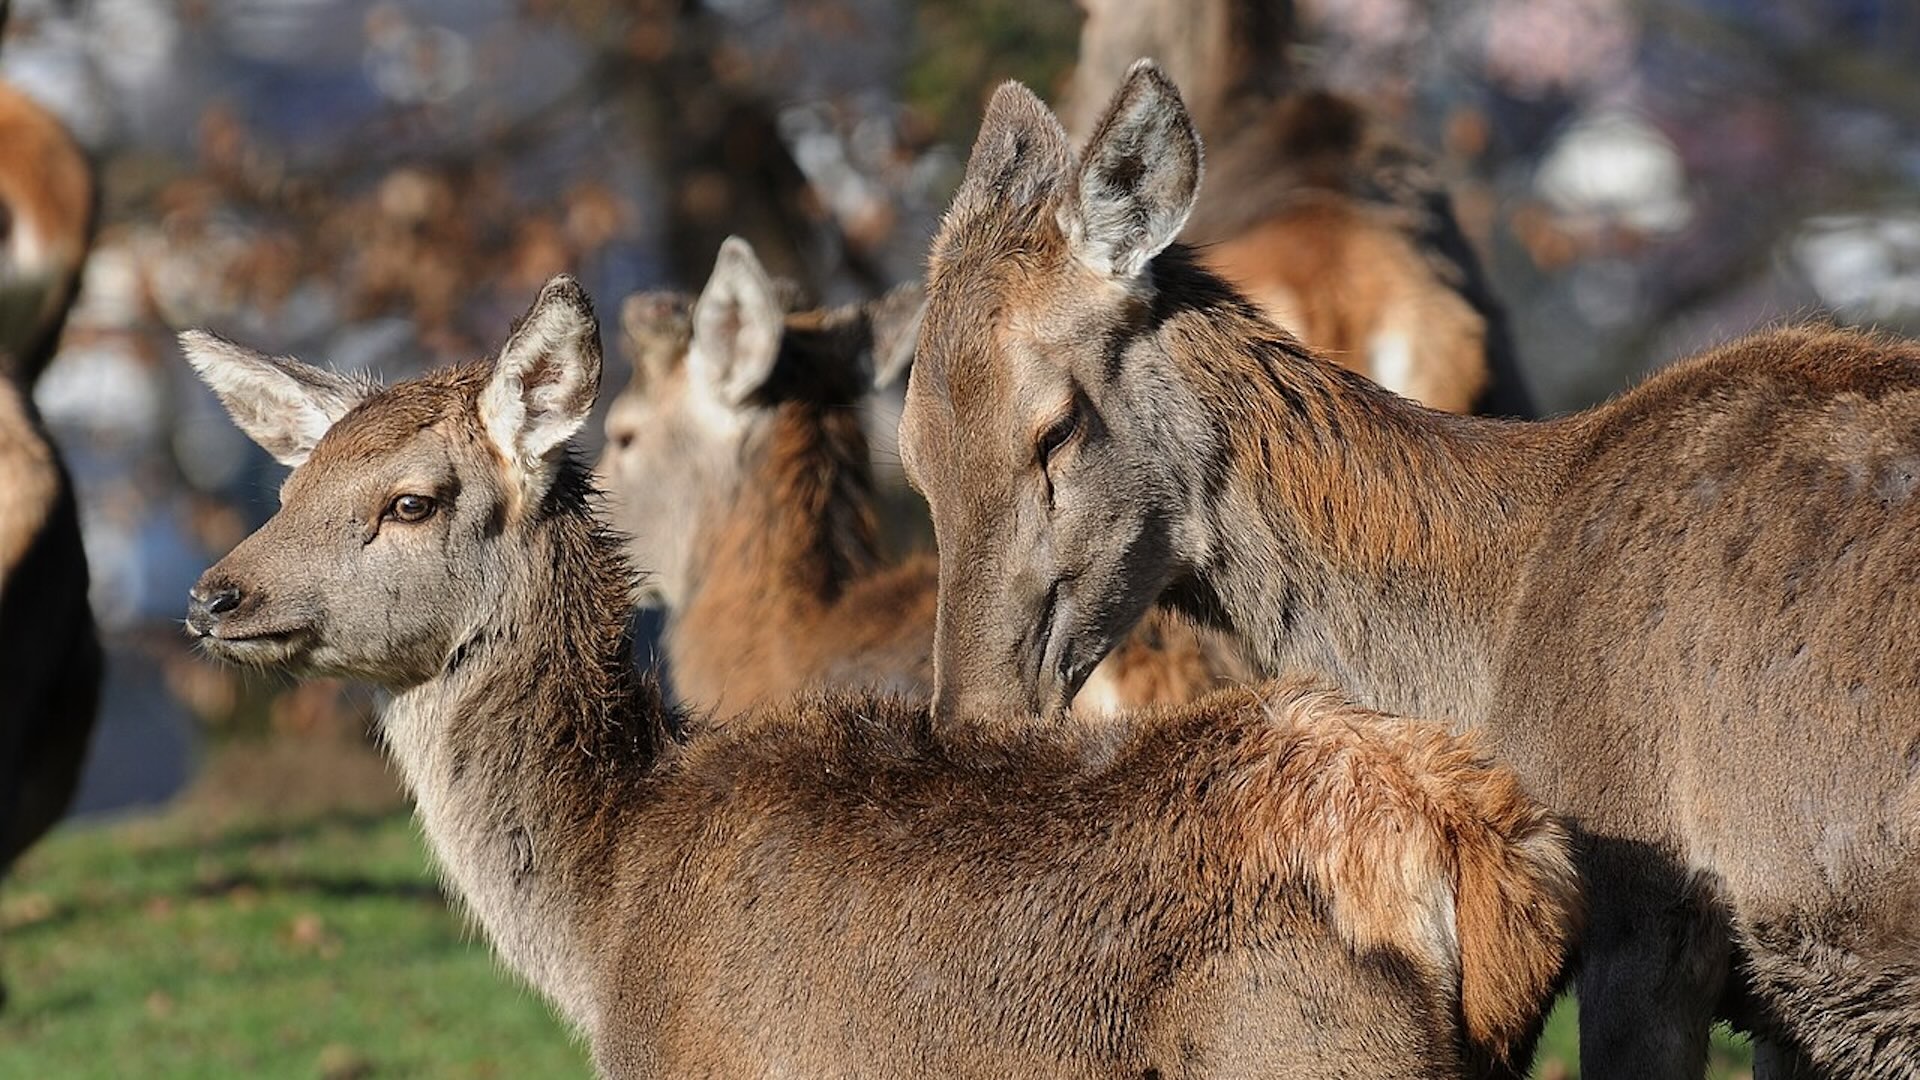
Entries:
{"x":411,"y":509}
{"x":1057,"y":435}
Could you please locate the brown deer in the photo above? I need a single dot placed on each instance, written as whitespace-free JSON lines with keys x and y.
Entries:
{"x":1340,"y":231}
{"x":1684,"y":617}
{"x":737,"y":462}
{"x":1269,"y":882}
{"x":49,"y":655}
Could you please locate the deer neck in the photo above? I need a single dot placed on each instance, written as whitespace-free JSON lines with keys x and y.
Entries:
{"x":1224,"y":54}
{"x":777,"y":556}
{"x":1357,"y":535}
{"x":532,"y":746}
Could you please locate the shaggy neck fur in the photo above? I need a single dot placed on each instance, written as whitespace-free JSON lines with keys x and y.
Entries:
{"x":529,"y":750}
{"x":771,"y":561}
{"x":1356,"y":533}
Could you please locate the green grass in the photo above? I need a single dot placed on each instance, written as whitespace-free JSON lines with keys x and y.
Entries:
{"x":323,"y":949}
{"x":174,"y":947}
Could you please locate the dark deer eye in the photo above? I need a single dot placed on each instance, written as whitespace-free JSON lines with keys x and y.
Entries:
{"x":411,"y":509}
{"x":1057,"y":434}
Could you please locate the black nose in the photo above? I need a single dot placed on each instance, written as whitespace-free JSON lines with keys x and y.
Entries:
{"x":204,"y":607}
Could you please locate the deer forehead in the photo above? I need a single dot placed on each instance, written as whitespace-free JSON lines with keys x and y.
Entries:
{"x":416,"y":427}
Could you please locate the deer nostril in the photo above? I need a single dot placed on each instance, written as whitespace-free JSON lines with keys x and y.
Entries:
{"x":223,"y":601}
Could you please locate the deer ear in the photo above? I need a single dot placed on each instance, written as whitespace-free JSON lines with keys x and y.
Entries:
{"x":895,"y":323}
{"x":1138,"y":178}
{"x":657,"y":327}
{"x":281,"y":403}
{"x":737,"y":325}
{"x":543,"y":384}
{"x":1020,"y":156}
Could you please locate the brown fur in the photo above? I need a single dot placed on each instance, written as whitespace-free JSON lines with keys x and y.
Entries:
{"x":50,"y":662}
{"x":46,"y":226}
{"x":1681,"y":616}
{"x":1268,"y":882}
{"x":785,"y":588}
{"x":1341,"y":232}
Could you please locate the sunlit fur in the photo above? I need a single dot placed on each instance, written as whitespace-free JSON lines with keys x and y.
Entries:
{"x":1269,"y":882}
{"x":1684,"y":616}
{"x":757,"y":523}
{"x":1341,"y":232}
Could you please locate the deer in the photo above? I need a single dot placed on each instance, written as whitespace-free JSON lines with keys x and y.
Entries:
{"x":1268,"y":881}
{"x":1681,"y":616}
{"x":1341,"y":231}
{"x":50,"y":659}
{"x":738,"y":466}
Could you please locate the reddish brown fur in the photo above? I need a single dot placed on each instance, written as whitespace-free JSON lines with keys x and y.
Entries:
{"x":790,"y":590}
{"x":1682,"y":616}
{"x":46,"y":225}
{"x":1267,"y":882}
{"x":1342,"y":233}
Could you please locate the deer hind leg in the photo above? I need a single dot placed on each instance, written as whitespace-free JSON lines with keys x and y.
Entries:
{"x":1652,"y":968}
{"x":1850,"y":1009}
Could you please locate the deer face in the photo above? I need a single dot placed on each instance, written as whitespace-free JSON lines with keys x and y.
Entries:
{"x":707,"y":377}
{"x":1043,"y":423}
{"x":676,"y":435}
{"x":408,"y":508}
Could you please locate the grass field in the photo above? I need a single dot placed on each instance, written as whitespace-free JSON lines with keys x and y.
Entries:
{"x":190,"y":946}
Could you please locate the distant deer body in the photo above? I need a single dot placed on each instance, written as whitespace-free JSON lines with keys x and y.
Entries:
{"x":49,"y":655}
{"x":1266,"y":883}
{"x":738,"y":465}
{"x":1686,"y":617}
{"x":1341,"y":232}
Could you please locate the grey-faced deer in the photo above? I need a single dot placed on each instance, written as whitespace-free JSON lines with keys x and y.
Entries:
{"x":49,"y":654}
{"x":1268,"y":882}
{"x":1686,"y":617}
{"x":737,"y":463}
{"x":1340,"y":231}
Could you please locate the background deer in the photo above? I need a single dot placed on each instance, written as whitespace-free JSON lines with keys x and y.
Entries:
{"x":738,"y":463}
{"x":1267,"y":882}
{"x":49,"y":655}
{"x":1340,"y":231}
{"x":1683,"y":617}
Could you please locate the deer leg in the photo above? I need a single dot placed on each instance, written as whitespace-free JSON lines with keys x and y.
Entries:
{"x":1653,"y":966}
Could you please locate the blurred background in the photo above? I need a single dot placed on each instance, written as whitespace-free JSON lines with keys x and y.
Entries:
{"x":383,"y":186}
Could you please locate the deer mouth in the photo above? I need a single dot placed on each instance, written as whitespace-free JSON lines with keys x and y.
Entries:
{"x":254,"y":648}
{"x":1050,"y":670}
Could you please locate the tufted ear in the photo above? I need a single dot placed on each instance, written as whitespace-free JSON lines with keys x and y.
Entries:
{"x":543,"y":385}
{"x":1138,"y":178}
{"x":894,"y":320}
{"x":1020,"y":156}
{"x":281,"y":403}
{"x":738,"y":323}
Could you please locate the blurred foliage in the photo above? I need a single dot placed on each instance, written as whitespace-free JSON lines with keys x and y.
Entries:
{"x":962,"y":49}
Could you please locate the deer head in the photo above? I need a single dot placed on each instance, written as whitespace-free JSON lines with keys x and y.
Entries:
{"x":408,"y":509}
{"x":708,"y":378}
{"x":1043,"y":420}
